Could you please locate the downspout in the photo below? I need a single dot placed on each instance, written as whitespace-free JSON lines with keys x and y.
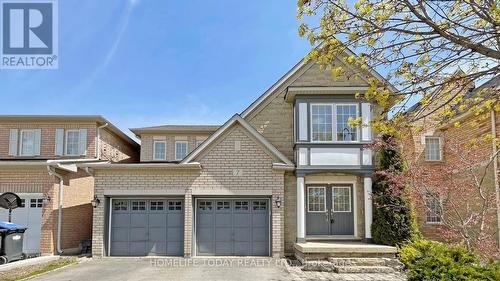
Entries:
{"x":98,"y":141}
{"x":495,"y":169}
{"x":59,"y":208}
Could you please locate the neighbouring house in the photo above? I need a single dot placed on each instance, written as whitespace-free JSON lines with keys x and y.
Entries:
{"x":38,"y":161}
{"x":443,"y":149}
{"x":280,"y":178}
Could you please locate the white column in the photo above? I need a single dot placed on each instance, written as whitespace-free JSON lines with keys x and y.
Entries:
{"x":368,"y":207}
{"x":301,"y":223}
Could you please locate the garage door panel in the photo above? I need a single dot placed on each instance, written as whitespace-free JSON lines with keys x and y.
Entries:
{"x":147,"y":227}
{"x":157,"y":234}
{"x":157,"y":220}
{"x":242,"y":248}
{"x":119,"y":234}
{"x":120,"y":248}
{"x":138,"y":234}
{"x":175,"y":220}
{"x":175,"y":248}
{"x":223,"y":233}
{"x":120,"y":220}
{"x":223,"y":248}
{"x":232,"y":227}
{"x":242,"y":234}
{"x":138,"y":220}
{"x":138,"y":248}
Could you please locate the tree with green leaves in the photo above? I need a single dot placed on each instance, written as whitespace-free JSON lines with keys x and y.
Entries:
{"x":416,"y":45}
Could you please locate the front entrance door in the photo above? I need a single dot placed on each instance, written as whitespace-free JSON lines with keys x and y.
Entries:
{"x":329,"y":210}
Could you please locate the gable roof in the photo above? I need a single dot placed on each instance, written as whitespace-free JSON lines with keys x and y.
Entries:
{"x":237,"y":119}
{"x":294,"y":73}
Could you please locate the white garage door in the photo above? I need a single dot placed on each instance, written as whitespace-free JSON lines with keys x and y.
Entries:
{"x":29,"y":215}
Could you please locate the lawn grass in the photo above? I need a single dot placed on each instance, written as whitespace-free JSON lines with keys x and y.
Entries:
{"x":34,"y":270}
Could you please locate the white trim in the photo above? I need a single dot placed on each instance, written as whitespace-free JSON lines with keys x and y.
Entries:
{"x":21,"y":142}
{"x":154,"y":150}
{"x":109,"y":228}
{"x":311,"y":122}
{"x":66,"y":133}
{"x":236,"y":118}
{"x":175,"y":148}
{"x":350,"y":199}
{"x":324,"y":199}
{"x":138,"y":192}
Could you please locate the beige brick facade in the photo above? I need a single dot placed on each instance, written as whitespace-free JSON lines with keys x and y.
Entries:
{"x":216,"y":177}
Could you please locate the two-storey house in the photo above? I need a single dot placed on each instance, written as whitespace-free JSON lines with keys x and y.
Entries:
{"x":270,"y":181}
{"x":443,"y":146}
{"x":38,"y":157}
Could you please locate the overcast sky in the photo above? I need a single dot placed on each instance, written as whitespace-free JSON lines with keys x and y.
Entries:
{"x":150,"y":62}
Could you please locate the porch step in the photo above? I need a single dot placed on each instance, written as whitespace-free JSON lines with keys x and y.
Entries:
{"x":364,"y":269}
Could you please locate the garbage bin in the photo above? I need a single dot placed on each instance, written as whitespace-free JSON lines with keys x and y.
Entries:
{"x":12,"y":241}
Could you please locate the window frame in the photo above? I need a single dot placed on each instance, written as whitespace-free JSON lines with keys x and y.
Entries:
{"x":187,"y":149}
{"x":440,"y":148}
{"x":429,"y":212}
{"x":350,"y":199}
{"x":66,"y":138}
{"x":165,"y":149}
{"x":336,"y":105}
{"x":324,"y":199}
{"x":21,"y":142}
{"x":332,"y":105}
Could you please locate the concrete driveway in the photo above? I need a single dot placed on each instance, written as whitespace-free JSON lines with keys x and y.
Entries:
{"x":172,"y":269}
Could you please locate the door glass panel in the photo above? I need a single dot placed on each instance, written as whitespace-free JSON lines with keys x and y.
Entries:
{"x":119,"y":205}
{"x":138,"y":205}
{"x":241,"y":205}
{"x":205,"y":205}
{"x":260,"y":205}
{"x":175,"y":205}
{"x":316,"y":199}
{"x":156,"y":206}
{"x":223,"y":205}
{"x":341,"y":197}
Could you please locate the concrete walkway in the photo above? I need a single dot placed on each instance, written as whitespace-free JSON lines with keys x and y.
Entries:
{"x":238,"y":269}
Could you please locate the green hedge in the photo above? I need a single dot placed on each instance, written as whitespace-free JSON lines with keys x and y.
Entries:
{"x":430,"y":260}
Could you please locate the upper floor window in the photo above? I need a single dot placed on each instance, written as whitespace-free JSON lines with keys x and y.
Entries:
{"x":322,"y":122}
{"x":344,"y":131}
{"x":27,"y":143}
{"x":433,"y":149}
{"x":330,"y":122}
{"x":180,"y":149}
{"x":72,"y":142}
{"x":434,"y":209}
{"x":159,"y":149}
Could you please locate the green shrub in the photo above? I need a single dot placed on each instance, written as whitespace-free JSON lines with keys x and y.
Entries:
{"x":430,"y":260}
{"x":394,"y":221}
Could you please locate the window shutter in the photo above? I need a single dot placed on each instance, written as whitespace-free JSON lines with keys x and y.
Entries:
{"x":13,"y":142}
{"x":36,"y":141}
{"x":59,"y":142}
{"x":366,"y":118}
{"x":83,"y":142}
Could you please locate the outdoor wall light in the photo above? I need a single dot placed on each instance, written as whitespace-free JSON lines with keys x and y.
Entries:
{"x":278,"y":201}
{"x":46,"y":199}
{"x":95,"y":202}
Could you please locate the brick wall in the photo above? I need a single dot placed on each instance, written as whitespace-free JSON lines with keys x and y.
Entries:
{"x":47,"y":144}
{"x":147,"y":144}
{"x":216,"y":176}
{"x":115,"y":149}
